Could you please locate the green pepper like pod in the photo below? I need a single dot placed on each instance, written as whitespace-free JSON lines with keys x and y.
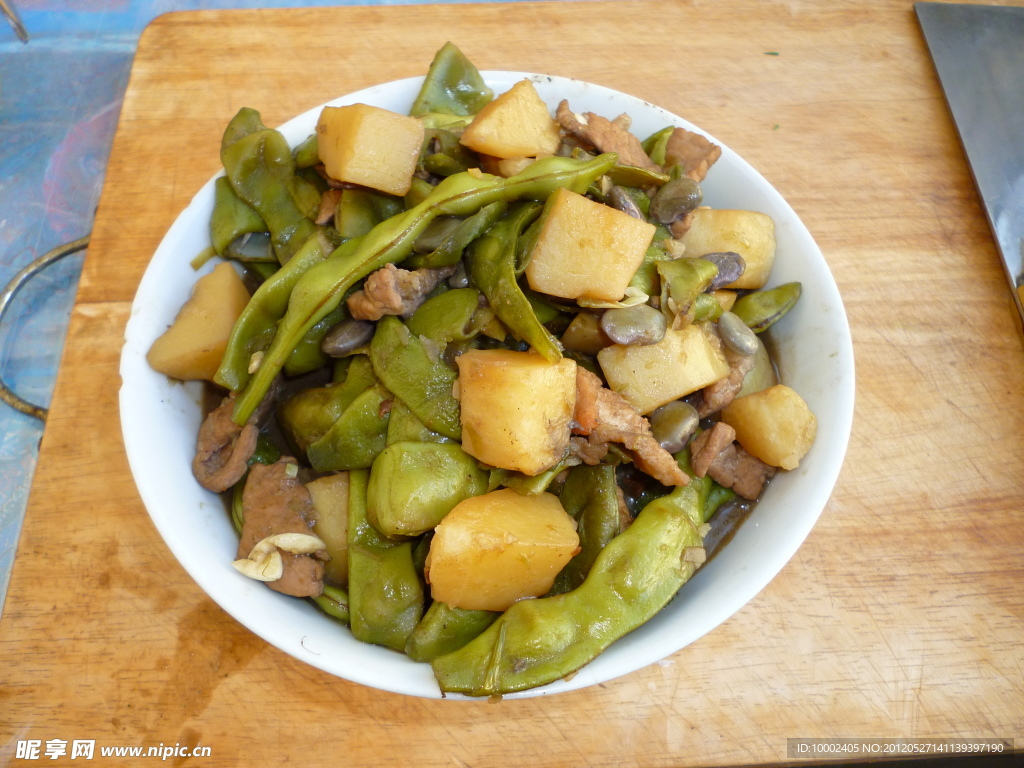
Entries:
{"x":245,"y":122}
{"x":307,"y":355}
{"x":403,"y":425}
{"x":682,"y":281}
{"x":357,"y":437}
{"x":231,"y":217}
{"x":444,"y":629}
{"x":334,"y":602}
{"x":656,"y":144}
{"x":360,"y":210}
{"x":385,"y":593}
{"x":646,"y":276}
{"x":761,"y":309}
{"x":323,"y":287}
{"x":450,"y":316}
{"x":256,"y":326}
{"x":451,"y":249}
{"x":419,"y":379}
{"x":307,"y":416}
{"x":262,"y":173}
{"x":589,"y":496}
{"x":307,"y":154}
{"x":536,"y":642}
{"x":414,"y":485}
{"x":443,"y":155}
{"x":491,"y":267}
{"x":453,"y":85}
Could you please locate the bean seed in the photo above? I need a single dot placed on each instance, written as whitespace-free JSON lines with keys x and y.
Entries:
{"x":736,"y":335}
{"x":639,"y":325}
{"x":346,"y":336}
{"x":675,"y":199}
{"x":459,"y":278}
{"x":621,"y":200}
{"x":730,"y":267}
{"x":673,"y":424}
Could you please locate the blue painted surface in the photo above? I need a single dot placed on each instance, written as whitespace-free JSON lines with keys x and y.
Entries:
{"x":60,"y":96}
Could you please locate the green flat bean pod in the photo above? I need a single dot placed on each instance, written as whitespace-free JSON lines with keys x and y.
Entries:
{"x":444,"y":629}
{"x":421,"y":381}
{"x":322,"y":287}
{"x":491,"y":267}
{"x":384,"y":590}
{"x":536,"y":642}
{"x":762,"y":309}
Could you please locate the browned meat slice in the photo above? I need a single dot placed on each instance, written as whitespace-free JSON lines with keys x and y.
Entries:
{"x":584,"y":415}
{"x":718,"y":395}
{"x":274,"y":502}
{"x":617,"y":421}
{"x":394,"y":291}
{"x":605,"y":135}
{"x":727,"y":463}
{"x":223,"y":448}
{"x":692,"y":151}
{"x":328,"y":202}
{"x":708,"y":444}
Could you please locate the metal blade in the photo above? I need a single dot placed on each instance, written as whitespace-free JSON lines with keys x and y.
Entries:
{"x":979,"y":54}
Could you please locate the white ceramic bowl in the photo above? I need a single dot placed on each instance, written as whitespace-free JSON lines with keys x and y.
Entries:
{"x":160,"y":419}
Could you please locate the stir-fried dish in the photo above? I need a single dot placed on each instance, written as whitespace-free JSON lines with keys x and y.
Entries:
{"x":485,"y":373}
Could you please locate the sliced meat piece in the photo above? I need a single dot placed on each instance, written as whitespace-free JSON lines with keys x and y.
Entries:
{"x":605,"y":135}
{"x":714,"y":452}
{"x":274,"y":502}
{"x":223,"y":448}
{"x":394,"y":291}
{"x":587,"y":452}
{"x":692,"y":151}
{"x":735,"y":468}
{"x":708,"y":444}
{"x":618,"y":422}
{"x":718,"y":395}
{"x":584,"y":415}
{"x":328,"y":202}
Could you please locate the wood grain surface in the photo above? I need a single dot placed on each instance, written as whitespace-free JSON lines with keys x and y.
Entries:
{"x":901,"y":616}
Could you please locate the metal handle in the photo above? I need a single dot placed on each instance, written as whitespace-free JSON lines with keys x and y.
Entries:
{"x":7,"y":296}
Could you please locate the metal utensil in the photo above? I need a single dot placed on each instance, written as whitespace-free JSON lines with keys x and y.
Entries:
{"x":978,"y":52}
{"x":12,"y":16}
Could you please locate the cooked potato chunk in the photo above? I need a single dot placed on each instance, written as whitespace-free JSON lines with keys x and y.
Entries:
{"x":516,"y":408}
{"x":516,"y":124}
{"x":585,"y":249}
{"x":370,"y":146}
{"x":650,"y":376}
{"x":330,"y":499}
{"x":775,"y":425}
{"x":194,"y":344}
{"x":748,"y":233}
{"x":492,"y":550}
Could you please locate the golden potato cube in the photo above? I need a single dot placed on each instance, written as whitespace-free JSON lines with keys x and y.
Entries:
{"x":585,"y":249}
{"x":330,"y":499}
{"x":650,"y":376}
{"x":516,"y":124}
{"x":748,"y":233}
{"x":775,"y":425}
{"x":194,"y":344}
{"x":516,"y":408}
{"x":370,"y":146}
{"x":492,"y":550}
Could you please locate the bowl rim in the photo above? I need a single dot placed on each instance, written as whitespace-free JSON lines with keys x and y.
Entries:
{"x":248,"y":603}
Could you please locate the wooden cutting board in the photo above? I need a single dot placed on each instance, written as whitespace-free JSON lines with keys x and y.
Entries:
{"x":902,"y":614}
